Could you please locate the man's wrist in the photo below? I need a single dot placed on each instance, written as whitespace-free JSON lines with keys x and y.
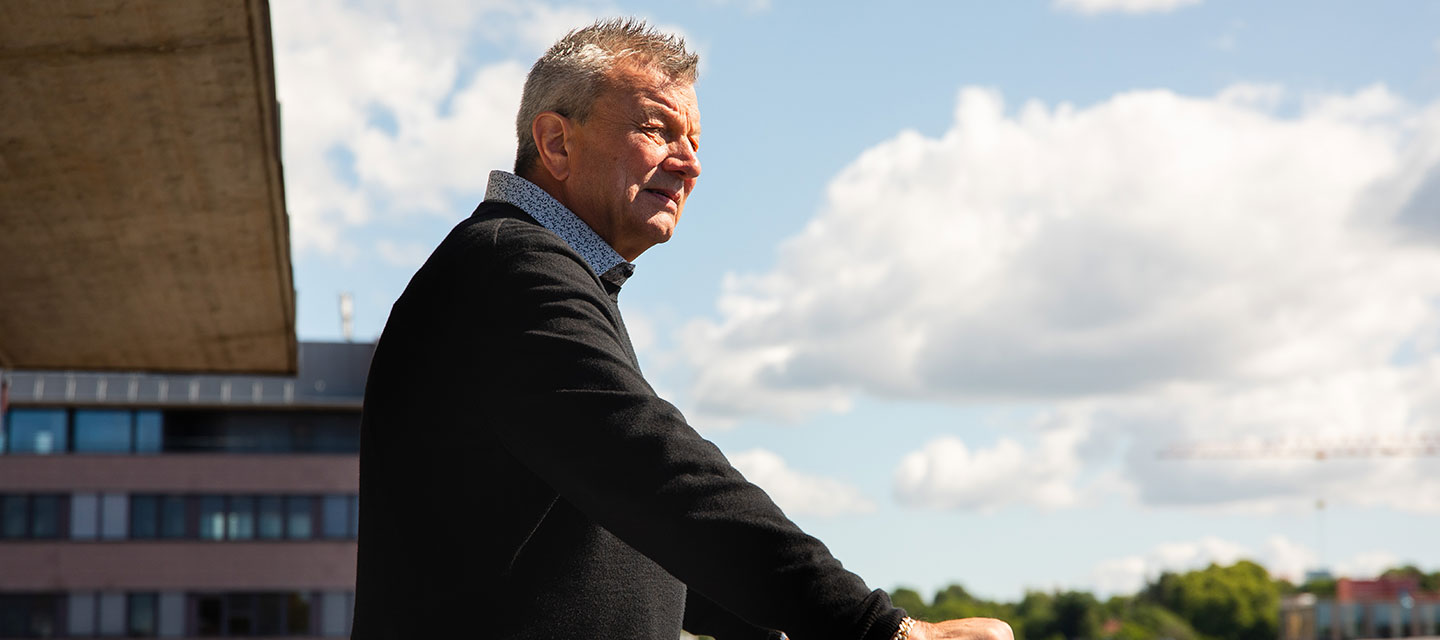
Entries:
{"x":903,"y":633}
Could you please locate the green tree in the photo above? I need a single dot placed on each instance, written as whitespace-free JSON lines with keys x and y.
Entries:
{"x":1239,"y":601}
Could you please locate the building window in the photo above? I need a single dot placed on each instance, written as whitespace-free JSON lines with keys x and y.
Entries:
{"x":143,"y":619}
{"x":144,"y":517}
{"x":208,"y":612}
{"x":335,"y":510}
{"x":272,"y":517}
{"x":36,"y":517}
{"x":45,"y":517}
{"x":299,"y":518}
{"x":173,"y":523}
{"x":240,"y":524}
{"x":148,"y":429}
{"x":212,"y":518}
{"x":14,"y":516}
{"x":30,"y":615}
{"x":39,"y":431}
{"x":102,"y":431}
{"x":298,"y":614}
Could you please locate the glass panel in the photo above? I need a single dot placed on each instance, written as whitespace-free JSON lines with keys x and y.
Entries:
{"x":114,"y":516}
{"x":45,"y":517}
{"x":272,"y":519}
{"x":14,"y":521}
{"x":148,"y":428}
{"x":297,"y":614}
{"x":172,"y":517}
{"x":298,"y":518}
{"x":102,"y":431}
{"x":240,"y":614}
{"x":241,"y":525}
{"x":81,"y":615}
{"x":336,"y":516}
{"x":84,"y":516}
{"x":172,"y":614}
{"x":208,"y":613}
{"x":142,"y":615}
{"x":354,"y":516}
{"x":212,"y":518}
{"x":332,"y":613}
{"x":112,"y":613}
{"x":268,"y":620}
{"x":144,"y":517}
{"x":29,"y":615}
{"x":36,"y":431}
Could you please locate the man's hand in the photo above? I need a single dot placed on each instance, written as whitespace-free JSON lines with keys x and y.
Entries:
{"x":963,"y":629}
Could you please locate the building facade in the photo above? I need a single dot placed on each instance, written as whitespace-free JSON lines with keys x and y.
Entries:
{"x":182,"y":506}
{"x":1383,"y":608}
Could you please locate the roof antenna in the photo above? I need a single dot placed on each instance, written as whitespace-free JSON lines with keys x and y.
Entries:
{"x":347,"y":316}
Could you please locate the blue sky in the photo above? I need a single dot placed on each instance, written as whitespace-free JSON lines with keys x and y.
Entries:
{"x":955,"y":271}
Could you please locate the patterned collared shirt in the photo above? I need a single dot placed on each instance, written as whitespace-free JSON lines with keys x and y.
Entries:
{"x":603,"y":259}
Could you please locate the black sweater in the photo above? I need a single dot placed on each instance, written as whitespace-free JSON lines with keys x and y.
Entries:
{"x":520,"y":479}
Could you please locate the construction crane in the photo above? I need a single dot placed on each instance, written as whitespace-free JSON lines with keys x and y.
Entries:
{"x":1395,"y":444}
{"x":1399,"y":444}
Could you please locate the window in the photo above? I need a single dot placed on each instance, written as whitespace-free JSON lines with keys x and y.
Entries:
{"x":114,"y":516}
{"x":148,"y":428}
{"x":84,"y":516}
{"x":45,"y":517}
{"x":208,"y":612}
{"x":354,"y":516}
{"x":144,"y":517}
{"x":240,"y":614}
{"x":14,"y":516}
{"x":212,"y":518}
{"x":299,"y":518}
{"x":272,"y":518}
{"x":32,"y":516}
{"x":270,"y":616}
{"x":40,"y":431}
{"x":29,"y":615}
{"x":102,"y":431}
{"x":241,"y":521}
{"x":172,"y":517}
{"x":297,"y":614}
{"x":143,"y":619}
{"x":336,"y":520}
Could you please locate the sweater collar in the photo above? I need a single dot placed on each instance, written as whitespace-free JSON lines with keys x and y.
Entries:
{"x":603,"y":259}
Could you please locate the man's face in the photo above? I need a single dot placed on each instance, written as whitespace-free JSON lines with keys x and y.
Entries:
{"x":633,"y":162}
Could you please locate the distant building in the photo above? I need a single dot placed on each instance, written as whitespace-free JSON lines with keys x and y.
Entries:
{"x":182,"y":505}
{"x":1383,"y":608}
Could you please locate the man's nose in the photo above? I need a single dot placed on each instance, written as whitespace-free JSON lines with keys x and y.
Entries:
{"x":684,"y":161}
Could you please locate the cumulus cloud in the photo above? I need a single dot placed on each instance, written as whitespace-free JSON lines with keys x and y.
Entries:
{"x":797,"y":492}
{"x":1157,"y":267}
{"x":1281,"y":556}
{"x":1091,"y":7}
{"x":947,"y":474}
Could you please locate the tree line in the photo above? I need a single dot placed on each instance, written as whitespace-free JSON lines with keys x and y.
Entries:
{"x":1240,"y":602}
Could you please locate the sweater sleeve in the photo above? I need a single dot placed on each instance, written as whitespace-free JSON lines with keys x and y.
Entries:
{"x":574,"y":409}
{"x":705,"y":618}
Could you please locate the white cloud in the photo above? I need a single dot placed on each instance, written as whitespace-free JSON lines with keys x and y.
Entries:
{"x":409,"y":255}
{"x":947,"y":474}
{"x":1091,"y":7}
{"x":1281,"y":556}
{"x":796,"y":492}
{"x":1158,"y":267}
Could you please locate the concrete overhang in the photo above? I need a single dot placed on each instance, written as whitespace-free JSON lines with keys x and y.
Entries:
{"x":142,"y":206}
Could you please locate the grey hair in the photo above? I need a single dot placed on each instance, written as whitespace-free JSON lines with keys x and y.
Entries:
{"x":571,"y":75}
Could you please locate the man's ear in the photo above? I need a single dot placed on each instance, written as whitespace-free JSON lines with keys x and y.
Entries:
{"x":552,"y":132}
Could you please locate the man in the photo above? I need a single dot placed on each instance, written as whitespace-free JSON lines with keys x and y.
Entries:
{"x":519,"y":477}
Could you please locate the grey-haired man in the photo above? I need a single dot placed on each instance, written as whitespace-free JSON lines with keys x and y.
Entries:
{"x":519,"y":477}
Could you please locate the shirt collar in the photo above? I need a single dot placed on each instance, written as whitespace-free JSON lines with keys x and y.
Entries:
{"x":603,"y":259}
